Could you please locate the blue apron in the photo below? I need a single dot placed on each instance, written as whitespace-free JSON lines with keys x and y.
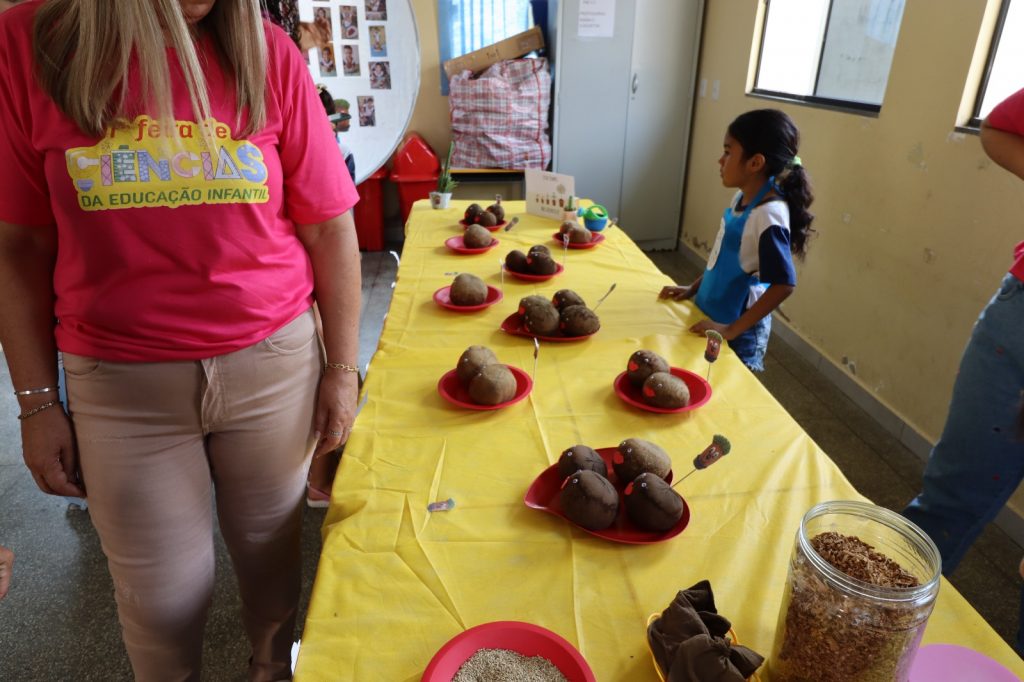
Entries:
{"x":725,"y":287}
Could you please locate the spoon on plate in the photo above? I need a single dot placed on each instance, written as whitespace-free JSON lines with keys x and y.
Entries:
{"x":607,"y":294}
{"x":536,"y":354}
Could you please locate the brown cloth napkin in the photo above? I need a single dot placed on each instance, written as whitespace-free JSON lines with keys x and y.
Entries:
{"x":689,"y":641}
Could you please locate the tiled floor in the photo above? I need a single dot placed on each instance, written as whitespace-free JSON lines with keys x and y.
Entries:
{"x":59,"y":622}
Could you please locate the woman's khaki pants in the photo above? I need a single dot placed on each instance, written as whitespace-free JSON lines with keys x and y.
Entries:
{"x":157,"y":442}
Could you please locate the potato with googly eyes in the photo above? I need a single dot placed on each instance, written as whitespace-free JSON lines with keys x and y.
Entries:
{"x":581,"y":457}
{"x":564,"y":298}
{"x":636,"y":456}
{"x":492,"y":385}
{"x":642,"y":364}
{"x":589,"y":500}
{"x":652,"y":504}
{"x":472,"y":360}
{"x":578,"y":320}
{"x":666,"y":391}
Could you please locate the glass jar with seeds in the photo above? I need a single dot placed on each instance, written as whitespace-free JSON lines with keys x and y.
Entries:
{"x":862,"y":582}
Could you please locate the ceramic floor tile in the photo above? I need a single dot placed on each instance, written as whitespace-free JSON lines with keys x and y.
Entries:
{"x":1000,"y":549}
{"x":793,"y":396}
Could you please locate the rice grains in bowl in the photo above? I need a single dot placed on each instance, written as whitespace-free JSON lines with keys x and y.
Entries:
{"x":862,"y":583}
{"x":503,"y":665}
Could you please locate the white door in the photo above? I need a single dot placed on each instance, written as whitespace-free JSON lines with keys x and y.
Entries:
{"x":666,"y":39}
{"x":591,"y":101}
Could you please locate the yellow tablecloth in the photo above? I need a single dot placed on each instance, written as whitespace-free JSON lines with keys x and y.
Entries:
{"x":396,"y":582}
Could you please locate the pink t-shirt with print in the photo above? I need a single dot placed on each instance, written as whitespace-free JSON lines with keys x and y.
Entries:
{"x":1008,"y":115}
{"x":169,"y":250}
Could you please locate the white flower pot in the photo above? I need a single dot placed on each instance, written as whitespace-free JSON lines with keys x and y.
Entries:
{"x":440,"y":200}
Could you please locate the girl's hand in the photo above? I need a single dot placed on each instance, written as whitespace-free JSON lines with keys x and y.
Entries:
{"x":676,"y":293}
{"x":706,"y":324}
{"x":48,"y":446}
{"x":335,"y":410}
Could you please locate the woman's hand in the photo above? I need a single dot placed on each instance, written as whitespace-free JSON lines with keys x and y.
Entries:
{"x":677,"y":293}
{"x":48,"y":445}
{"x":335,"y":410}
{"x":6,"y":564}
{"x":707,"y":324}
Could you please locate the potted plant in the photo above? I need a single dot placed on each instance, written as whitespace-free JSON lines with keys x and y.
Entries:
{"x":445,"y":183}
{"x":569,"y":210}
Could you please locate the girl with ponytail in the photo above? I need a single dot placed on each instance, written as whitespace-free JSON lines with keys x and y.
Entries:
{"x":750,"y":269}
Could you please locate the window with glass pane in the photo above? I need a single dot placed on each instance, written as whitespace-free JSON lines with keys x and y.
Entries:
{"x":467,"y":25}
{"x":828,"y":51}
{"x":1003,"y":76}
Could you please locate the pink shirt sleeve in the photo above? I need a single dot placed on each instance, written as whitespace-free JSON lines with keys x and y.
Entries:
{"x":24,"y":196}
{"x":1008,"y":115}
{"x":317,"y":185}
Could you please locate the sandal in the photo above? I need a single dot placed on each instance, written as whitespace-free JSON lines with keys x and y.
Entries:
{"x":316,"y":498}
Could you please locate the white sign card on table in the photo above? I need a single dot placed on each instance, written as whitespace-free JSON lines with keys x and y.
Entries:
{"x":547,"y":193}
{"x":368,"y":58}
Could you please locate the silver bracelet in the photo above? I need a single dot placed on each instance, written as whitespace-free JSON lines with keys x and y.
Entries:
{"x":34,"y":391}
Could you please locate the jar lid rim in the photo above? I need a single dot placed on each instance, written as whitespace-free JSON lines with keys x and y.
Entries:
{"x":918,"y":537}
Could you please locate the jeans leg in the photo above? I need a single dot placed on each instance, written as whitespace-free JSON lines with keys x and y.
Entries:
{"x":979,"y":460}
{"x":752,"y":344}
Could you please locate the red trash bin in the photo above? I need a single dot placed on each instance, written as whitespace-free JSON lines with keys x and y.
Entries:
{"x":369,"y":211}
{"x":414,"y":170}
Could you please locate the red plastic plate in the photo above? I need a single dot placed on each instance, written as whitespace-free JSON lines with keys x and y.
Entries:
{"x":492,"y":228}
{"x":700,"y":392}
{"x":545,"y":494}
{"x":595,"y":239}
{"x":523,"y":638}
{"x":452,"y":390}
{"x":457,"y":245}
{"x":443,"y":297}
{"x":513,"y":324}
{"x":536,"y":278}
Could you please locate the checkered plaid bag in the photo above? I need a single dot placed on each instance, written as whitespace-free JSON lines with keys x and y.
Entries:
{"x":500,"y":118}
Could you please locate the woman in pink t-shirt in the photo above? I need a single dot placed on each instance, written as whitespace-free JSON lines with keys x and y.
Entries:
{"x":172,"y":204}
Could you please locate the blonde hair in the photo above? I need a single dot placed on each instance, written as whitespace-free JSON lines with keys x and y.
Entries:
{"x":82,"y":51}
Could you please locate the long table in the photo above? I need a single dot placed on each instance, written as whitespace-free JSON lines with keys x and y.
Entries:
{"x":396,"y":582}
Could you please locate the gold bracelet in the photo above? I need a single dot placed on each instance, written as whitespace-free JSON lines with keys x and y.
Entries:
{"x":343,"y":367}
{"x":37,"y":410}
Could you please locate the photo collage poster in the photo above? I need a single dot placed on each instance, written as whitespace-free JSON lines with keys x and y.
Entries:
{"x":354,"y":33}
{"x":364,"y":57}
